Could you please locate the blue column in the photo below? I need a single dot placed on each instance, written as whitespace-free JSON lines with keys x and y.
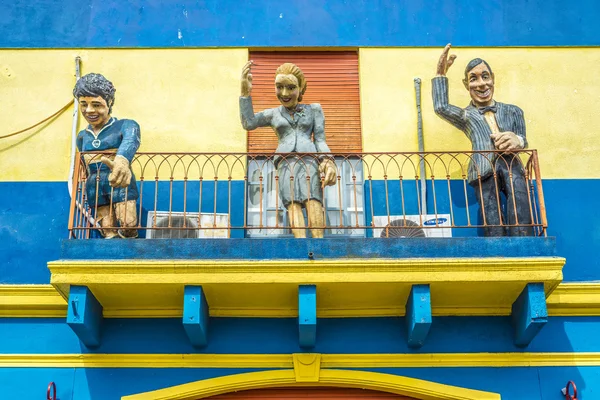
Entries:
{"x":84,"y":315}
{"x":529,"y":313}
{"x":418,"y":315}
{"x":307,"y":315}
{"x":195,"y":315}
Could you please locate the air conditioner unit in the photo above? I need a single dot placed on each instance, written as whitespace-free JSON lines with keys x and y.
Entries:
{"x":176,"y":225}
{"x":407,"y":226}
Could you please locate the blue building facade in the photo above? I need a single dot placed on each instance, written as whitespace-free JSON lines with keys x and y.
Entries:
{"x":460,"y":317}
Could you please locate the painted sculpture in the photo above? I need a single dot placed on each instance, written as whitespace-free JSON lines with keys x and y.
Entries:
{"x":110,"y":186}
{"x":300,"y":128}
{"x":489,"y":125}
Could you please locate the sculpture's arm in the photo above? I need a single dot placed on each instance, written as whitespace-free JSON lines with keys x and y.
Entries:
{"x":327,"y":165}
{"x":79,"y":142}
{"x":251,"y":121}
{"x":520,"y":127}
{"x":121,"y":174}
{"x":442,"y":107}
{"x":319,"y":129}
{"x":512,"y":140}
{"x":131,"y":140}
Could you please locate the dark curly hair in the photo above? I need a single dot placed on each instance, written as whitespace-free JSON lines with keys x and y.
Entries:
{"x":94,"y":85}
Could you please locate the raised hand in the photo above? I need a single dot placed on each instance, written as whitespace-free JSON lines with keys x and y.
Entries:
{"x":247,"y":79}
{"x":120,"y":173}
{"x":445,"y":62}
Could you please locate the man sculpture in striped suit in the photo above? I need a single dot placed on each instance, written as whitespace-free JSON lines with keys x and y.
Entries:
{"x":489,"y":125}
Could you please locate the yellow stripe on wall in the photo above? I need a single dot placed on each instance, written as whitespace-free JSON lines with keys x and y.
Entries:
{"x":184,"y":100}
{"x":37,"y":301}
{"x":187,"y":100}
{"x":425,"y":360}
{"x":553,"y":86}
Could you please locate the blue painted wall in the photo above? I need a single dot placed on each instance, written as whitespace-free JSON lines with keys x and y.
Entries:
{"x":272,"y":23}
{"x":31,"y":230}
{"x":280,"y":336}
{"x":33,"y":220}
{"x":112,"y":383}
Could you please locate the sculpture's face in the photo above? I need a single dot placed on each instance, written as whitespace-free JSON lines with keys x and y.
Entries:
{"x":480,"y":84}
{"x":94,"y":110}
{"x":287,"y":90}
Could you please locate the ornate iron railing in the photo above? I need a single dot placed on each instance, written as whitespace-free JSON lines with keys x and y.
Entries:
{"x":375,"y":194}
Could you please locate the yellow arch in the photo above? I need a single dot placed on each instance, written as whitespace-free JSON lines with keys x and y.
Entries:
{"x":307,"y":372}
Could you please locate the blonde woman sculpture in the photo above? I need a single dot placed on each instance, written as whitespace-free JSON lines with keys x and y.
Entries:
{"x":300,"y":128}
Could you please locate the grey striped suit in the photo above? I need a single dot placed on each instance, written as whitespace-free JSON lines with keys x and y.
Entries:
{"x":471,"y":122}
{"x":510,"y":176}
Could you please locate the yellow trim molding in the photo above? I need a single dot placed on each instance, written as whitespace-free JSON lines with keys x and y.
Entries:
{"x":345,"y":287}
{"x":425,"y":360}
{"x":575,"y":299}
{"x":307,"y":372}
{"x":31,"y":301}
{"x":39,"y":301}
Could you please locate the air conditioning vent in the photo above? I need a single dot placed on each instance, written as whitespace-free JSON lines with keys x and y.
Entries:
{"x":413,"y":226}
{"x":176,"y":225}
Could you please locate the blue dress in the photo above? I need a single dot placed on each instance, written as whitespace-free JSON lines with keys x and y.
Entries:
{"x":121,"y":137}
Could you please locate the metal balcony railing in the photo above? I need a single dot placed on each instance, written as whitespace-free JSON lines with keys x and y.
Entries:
{"x":221,"y":195}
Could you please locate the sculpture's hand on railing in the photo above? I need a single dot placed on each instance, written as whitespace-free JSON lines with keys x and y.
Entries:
{"x":120,"y":175}
{"x":329,"y":170}
{"x":445,"y":62}
{"x":247,"y":79}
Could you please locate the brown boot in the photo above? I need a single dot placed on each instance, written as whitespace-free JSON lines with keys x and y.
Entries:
{"x":127,"y":216}
{"x":106,"y":218}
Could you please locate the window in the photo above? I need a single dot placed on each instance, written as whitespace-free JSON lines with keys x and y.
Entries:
{"x":333,"y":80}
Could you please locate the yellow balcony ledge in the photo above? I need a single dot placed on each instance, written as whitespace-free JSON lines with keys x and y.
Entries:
{"x":345,"y":287}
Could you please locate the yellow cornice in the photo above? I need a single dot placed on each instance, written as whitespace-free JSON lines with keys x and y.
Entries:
{"x":31,"y":301}
{"x":37,"y":301}
{"x":345,"y":287}
{"x":428,"y":360}
{"x":575,"y":299}
{"x":295,"y":271}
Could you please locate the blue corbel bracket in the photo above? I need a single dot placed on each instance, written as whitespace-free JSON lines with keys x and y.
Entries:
{"x":84,"y":315}
{"x":529,"y":313}
{"x":418,"y":315}
{"x":307,"y":315}
{"x":195,"y":315}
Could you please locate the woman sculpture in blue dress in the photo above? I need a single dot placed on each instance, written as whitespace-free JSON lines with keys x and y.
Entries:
{"x":300,"y":128}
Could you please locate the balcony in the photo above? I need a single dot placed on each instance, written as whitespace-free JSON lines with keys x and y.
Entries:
{"x":394,"y":223}
{"x":208,"y":195}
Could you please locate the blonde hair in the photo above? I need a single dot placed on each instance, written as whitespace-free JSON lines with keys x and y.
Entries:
{"x":293,"y":69}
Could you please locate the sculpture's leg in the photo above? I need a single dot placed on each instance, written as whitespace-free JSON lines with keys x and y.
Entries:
{"x":314,"y":209}
{"x":126,"y":214}
{"x":297,"y":220}
{"x":106,"y":217}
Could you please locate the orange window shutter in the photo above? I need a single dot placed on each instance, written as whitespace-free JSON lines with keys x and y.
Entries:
{"x":332,"y":81}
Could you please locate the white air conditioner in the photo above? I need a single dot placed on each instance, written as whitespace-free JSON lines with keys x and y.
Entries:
{"x":432,"y":225}
{"x":176,"y":225}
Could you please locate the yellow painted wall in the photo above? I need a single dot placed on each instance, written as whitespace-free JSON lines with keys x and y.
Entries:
{"x":183,"y":99}
{"x":557,"y":89}
{"x":187,"y":100}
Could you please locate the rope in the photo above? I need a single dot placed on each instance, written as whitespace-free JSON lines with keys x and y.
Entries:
{"x":41,"y":122}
